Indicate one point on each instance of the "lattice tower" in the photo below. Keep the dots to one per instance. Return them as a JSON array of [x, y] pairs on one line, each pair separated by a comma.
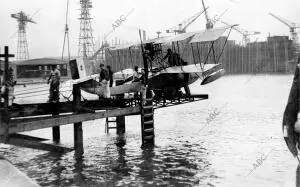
[[22, 47], [86, 40]]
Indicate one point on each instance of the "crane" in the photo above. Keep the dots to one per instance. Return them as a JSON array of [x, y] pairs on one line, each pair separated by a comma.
[[22, 19], [292, 26], [181, 28], [246, 34], [66, 37], [217, 18], [209, 23]]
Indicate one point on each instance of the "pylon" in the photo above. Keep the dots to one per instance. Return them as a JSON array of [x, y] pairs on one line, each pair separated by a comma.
[[86, 41], [22, 50]]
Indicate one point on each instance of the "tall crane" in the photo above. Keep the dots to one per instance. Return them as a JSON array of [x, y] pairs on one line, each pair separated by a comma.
[[22, 19], [217, 18], [293, 27], [246, 34], [181, 28], [66, 37], [209, 23]]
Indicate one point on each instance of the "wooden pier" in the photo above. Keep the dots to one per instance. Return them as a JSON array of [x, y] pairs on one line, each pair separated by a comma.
[[18, 118]]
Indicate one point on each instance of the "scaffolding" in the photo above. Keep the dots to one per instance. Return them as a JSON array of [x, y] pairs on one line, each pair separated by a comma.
[[22, 49], [86, 40]]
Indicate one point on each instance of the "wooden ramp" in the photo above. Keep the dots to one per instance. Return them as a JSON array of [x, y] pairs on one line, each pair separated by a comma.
[[10, 176]]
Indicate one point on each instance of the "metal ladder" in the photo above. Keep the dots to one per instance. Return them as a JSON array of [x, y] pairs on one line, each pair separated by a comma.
[[147, 119], [110, 121]]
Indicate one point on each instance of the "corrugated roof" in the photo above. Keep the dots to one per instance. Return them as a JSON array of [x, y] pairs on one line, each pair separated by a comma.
[[40, 61]]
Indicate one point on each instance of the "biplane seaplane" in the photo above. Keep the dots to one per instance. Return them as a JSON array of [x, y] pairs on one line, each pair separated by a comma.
[[173, 63]]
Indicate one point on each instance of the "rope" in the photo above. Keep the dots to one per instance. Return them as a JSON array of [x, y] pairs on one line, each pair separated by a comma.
[[67, 98]]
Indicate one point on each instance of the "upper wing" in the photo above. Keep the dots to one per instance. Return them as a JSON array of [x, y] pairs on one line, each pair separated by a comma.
[[192, 68]]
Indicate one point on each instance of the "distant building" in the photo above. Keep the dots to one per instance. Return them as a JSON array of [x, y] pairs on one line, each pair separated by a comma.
[[38, 68], [273, 55]]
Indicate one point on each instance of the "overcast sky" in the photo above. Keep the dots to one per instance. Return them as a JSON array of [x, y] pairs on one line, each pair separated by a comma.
[[46, 37]]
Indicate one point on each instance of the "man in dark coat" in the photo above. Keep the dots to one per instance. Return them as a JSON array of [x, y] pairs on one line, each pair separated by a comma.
[[291, 137], [54, 80], [104, 75], [104, 81], [110, 75]]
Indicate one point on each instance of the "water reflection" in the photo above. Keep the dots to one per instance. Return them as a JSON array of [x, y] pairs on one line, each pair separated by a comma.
[[46, 169], [220, 155], [146, 167], [79, 177]]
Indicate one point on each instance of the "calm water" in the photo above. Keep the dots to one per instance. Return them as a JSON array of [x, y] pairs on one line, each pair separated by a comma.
[[217, 142]]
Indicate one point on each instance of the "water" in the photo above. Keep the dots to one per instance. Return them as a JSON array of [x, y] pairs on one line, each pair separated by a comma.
[[232, 139]]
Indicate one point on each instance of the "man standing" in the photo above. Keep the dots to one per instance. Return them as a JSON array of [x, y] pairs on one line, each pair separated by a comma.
[[169, 56], [54, 81], [104, 81], [136, 74], [110, 75]]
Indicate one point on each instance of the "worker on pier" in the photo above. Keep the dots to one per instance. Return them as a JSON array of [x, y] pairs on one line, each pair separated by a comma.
[[174, 58], [169, 55], [54, 80], [136, 74], [104, 81], [110, 75], [9, 86]]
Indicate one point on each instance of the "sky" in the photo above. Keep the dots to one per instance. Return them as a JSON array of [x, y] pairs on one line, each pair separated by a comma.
[[45, 39]]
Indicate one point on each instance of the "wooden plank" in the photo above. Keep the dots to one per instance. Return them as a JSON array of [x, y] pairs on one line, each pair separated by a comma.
[[11, 176], [64, 107], [37, 145], [69, 119], [27, 137]]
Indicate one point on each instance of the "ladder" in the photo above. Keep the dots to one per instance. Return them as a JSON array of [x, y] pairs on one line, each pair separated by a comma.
[[111, 123], [147, 119]]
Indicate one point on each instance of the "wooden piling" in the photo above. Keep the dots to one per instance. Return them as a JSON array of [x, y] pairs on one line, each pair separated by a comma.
[[56, 129], [120, 125], [56, 134], [78, 133], [4, 120]]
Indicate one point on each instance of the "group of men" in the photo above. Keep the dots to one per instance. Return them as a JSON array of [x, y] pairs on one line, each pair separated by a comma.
[[106, 81], [106, 78]]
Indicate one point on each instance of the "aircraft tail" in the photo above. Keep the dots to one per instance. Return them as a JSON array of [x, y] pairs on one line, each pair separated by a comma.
[[82, 68]]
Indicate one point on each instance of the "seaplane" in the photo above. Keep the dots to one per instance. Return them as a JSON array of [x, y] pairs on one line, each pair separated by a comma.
[[173, 63]]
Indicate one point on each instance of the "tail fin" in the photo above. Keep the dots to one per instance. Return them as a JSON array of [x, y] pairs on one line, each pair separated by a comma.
[[81, 68]]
